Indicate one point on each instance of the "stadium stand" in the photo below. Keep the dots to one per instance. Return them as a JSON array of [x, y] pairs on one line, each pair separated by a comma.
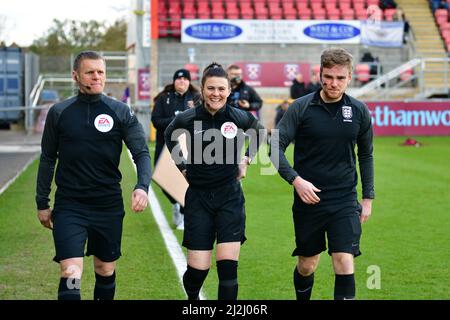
[[171, 12]]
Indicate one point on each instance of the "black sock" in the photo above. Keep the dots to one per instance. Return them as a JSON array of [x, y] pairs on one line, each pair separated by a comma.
[[344, 287], [105, 287], [69, 289], [228, 282], [193, 281], [303, 285]]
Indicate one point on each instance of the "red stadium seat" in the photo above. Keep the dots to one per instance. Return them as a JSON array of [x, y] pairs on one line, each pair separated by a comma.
[[163, 28], [319, 14], [262, 14], [361, 14], [302, 6], [205, 14], [441, 15], [334, 14], [373, 2], [305, 14], [407, 74], [218, 15], [233, 16], [290, 15], [317, 6], [362, 72], [347, 14], [247, 13], [389, 14]]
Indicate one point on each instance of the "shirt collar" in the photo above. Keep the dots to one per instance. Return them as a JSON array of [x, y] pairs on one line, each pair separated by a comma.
[[90, 98]]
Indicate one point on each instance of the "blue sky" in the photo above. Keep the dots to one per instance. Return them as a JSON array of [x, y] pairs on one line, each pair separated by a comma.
[[26, 20]]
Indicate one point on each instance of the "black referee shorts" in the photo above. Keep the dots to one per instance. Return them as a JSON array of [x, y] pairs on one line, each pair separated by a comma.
[[339, 223], [216, 214], [102, 230]]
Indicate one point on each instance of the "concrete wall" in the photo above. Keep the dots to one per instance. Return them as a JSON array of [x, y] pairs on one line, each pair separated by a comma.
[[173, 55]]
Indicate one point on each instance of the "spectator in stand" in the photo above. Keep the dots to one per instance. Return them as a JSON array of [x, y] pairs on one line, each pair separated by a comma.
[[298, 88], [399, 15]]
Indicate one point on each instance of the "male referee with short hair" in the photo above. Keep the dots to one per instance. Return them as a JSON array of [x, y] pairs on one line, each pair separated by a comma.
[[326, 125], [84, 134]]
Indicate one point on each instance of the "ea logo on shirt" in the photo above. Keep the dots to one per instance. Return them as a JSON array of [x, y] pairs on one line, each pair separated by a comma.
[[103, 123], [229, 130], [347, 113]]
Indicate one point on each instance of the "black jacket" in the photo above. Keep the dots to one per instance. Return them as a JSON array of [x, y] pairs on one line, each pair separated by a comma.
[[324, 151], [245, 92], [297, 89], [167, 106], [202, 129], [84, 134]]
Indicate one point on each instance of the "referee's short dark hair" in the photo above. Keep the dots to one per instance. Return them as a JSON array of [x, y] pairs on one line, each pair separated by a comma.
[[91, 55], [333, 56], [214, 70]]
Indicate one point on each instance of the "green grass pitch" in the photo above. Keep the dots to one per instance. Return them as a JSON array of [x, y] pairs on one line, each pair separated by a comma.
[[407, 237]]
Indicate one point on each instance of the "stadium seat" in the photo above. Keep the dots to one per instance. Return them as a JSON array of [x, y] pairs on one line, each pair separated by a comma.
[[317, 6], [305, 14], [319, 14], [373, 3], [290, 15], [193, 69], [345, 4], [361, 14], [217, 7], [261, 14], [288, 6], [202, 6], [389, 14], [333, 14], [204, 13], [359, 2], [441, 16], [406, 75], [301, 6], [347, 14], [247, 13], [314, 2], [163, 28], [362, 72]]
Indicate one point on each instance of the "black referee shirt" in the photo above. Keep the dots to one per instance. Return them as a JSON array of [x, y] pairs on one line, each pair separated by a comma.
[[220, 135], [324, 151]]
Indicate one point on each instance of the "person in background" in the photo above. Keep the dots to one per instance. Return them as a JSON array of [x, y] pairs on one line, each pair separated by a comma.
[[242, 95], [314, 84], [298, 88], [176, 97]]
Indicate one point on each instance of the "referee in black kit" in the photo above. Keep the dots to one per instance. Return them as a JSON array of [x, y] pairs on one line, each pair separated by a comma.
[[326, 125], [214, 201], [84, 135]]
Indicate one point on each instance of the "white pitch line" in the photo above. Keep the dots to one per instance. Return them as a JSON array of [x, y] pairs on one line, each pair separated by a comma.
[[19, 149], [11, 181], [172, 245]]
